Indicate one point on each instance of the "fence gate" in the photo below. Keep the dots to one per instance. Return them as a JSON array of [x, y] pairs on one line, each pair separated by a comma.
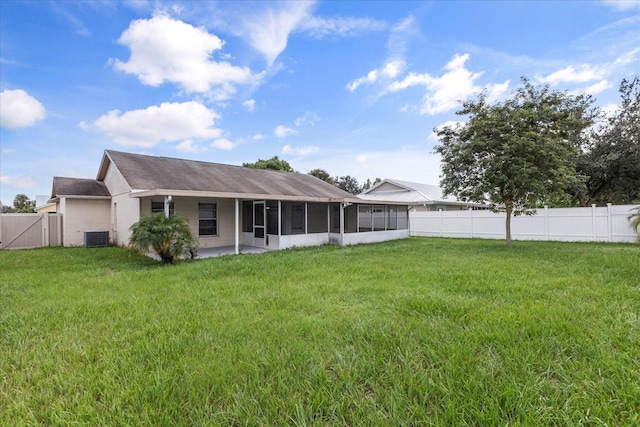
[[20, 231]]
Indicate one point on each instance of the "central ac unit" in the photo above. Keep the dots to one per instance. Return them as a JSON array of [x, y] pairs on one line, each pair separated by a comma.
[[96, 239]]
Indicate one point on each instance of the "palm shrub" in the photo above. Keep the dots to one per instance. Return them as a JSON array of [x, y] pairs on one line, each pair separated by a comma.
[[634, 219], [168, 237]]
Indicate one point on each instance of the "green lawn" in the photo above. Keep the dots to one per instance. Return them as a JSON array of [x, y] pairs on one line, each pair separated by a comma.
[[421, 331]]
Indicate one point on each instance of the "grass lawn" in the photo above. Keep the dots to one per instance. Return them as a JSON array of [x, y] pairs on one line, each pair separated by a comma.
[[421, 331]]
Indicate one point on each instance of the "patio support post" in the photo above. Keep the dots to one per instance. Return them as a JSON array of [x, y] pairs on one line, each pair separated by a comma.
[[342, 206], [237, 234], [167, 202], [279, 218]]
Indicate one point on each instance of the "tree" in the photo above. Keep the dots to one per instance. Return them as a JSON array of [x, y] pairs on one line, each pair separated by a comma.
[[634, 220], [168, 237], [368, 184], [514, 153], [22, 204], [348, 184], [273, 163], [610, 163], [323, 175]]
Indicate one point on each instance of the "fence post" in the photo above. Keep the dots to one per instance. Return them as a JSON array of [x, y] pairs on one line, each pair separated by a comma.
[[440, 213], [609, 222], [45, 229], [546, 222], [471, 217], [594, 230]]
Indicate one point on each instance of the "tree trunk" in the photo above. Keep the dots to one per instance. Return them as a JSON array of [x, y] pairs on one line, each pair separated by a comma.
[[508, 226]]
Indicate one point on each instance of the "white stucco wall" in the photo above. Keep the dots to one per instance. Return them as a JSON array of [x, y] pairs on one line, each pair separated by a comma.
[[124, 210], [80, 215]]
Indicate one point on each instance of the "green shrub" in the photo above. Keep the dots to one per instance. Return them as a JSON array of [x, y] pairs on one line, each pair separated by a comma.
[[168, 237]]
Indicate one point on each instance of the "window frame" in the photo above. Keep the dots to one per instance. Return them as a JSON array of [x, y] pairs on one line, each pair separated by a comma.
[[213, 219]]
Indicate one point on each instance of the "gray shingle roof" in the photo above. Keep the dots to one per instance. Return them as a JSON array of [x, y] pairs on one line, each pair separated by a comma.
[[78, 187], [143, 172]]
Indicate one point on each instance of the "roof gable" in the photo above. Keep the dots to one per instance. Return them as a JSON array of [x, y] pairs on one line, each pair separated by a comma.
[[146, 173], [81, 187]]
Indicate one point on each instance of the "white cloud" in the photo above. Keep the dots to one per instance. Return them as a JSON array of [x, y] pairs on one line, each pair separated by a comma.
[[167, 50], [187, 146], [584, 73], [282, 131], [622, 5], [444, 93], [389, 70], [18, 181], [223, 144], [341, 26], [300, 151], [249, 104], [308, 119], [258, 137], [167, 122], [595, 89], [18, 109], [268, 30]]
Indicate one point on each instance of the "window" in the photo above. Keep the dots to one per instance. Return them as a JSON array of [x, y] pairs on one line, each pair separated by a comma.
[[207, 219], [158, 207]]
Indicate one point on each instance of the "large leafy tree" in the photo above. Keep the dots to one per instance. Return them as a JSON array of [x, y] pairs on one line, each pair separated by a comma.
[[348, 184], [273, 163], [22, 204], [610, 162], [168, 237], [323, 175], [514, 153]]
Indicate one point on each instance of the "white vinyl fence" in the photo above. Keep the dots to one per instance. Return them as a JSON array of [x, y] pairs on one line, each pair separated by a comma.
[[591, 224]]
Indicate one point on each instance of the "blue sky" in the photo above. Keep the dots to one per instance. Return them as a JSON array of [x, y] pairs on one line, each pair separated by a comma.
[[352, 87]]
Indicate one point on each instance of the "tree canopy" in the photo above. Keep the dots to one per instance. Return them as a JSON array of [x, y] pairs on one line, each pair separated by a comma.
[[273, 163], [515, 153], [348, 184], [22, 204], [610, 163], [323, 175]]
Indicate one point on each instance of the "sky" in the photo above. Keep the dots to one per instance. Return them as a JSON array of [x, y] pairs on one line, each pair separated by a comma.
[[352, 87]]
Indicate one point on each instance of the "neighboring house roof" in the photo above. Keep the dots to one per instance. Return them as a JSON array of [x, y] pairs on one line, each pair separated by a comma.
[[151, 175], [78, 187], [408, 192]]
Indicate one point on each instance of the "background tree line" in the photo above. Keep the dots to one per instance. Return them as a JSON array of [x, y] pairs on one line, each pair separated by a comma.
[[346, 183], [21, 204]]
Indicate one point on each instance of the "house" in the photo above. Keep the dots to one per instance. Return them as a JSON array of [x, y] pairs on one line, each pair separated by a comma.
[[226, 206], [422, 197]]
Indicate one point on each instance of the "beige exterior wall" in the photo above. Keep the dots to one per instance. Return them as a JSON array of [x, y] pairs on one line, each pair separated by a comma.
[[47, 208], [124, 210], [80, 215], [188, 207]]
